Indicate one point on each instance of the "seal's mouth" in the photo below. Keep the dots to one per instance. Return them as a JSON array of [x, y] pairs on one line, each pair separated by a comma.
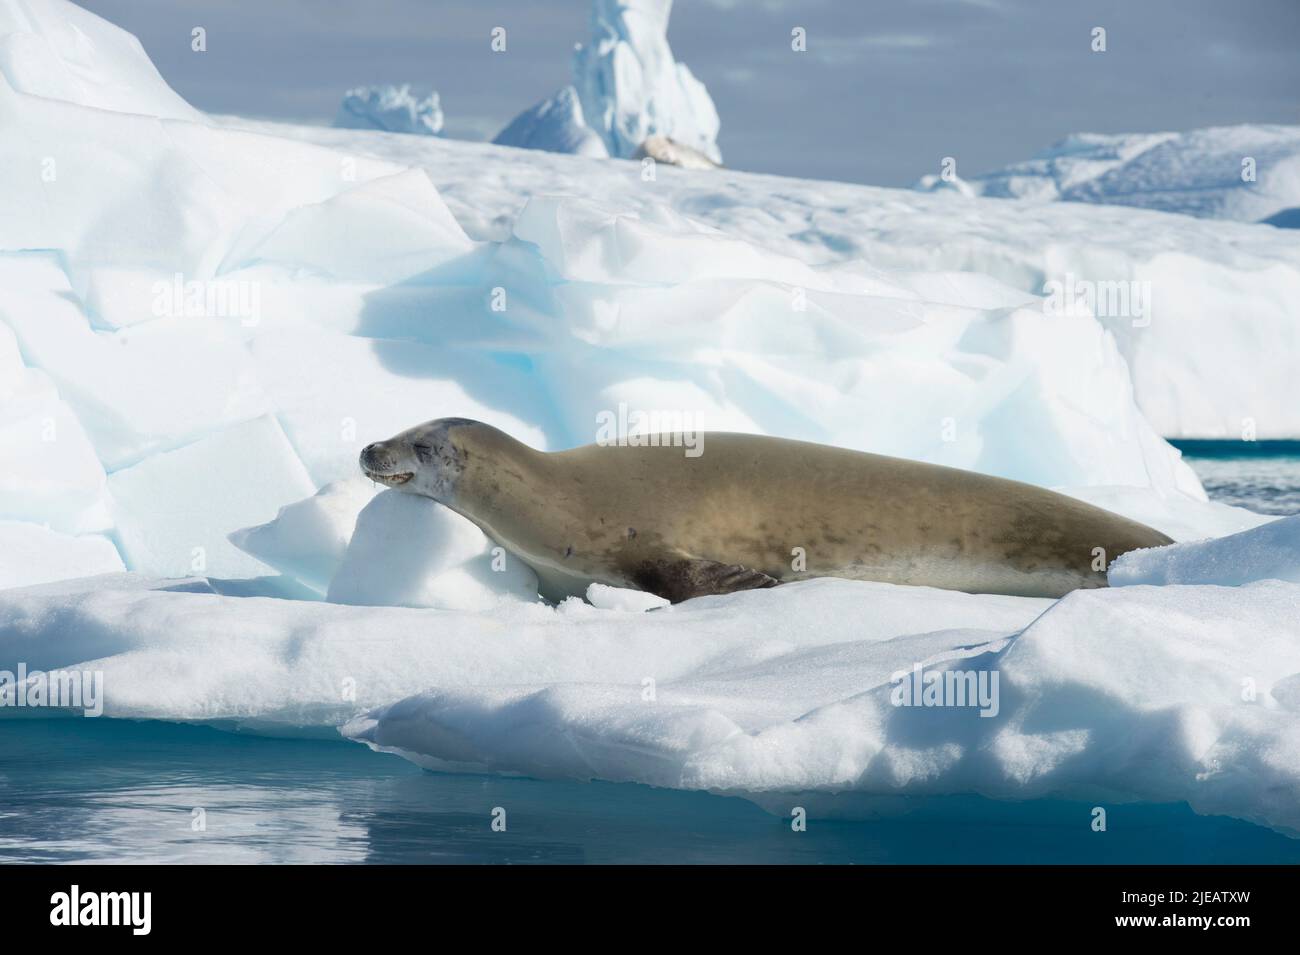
[[392, 480]]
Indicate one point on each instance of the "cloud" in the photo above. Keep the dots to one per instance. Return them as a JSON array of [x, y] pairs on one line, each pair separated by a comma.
[[833, 50], [771, 6]]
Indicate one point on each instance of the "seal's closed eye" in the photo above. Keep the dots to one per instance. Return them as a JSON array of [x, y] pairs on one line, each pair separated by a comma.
[[423, 452]]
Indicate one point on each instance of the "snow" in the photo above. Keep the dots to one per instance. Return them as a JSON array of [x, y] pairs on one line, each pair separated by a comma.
[[393, 109], [59, 51], [626, 89], [954, 184], [409, 551], [307, 539], [1248, 173], [35, 554], [1268, 552], [606, 597], [203, 321], [295, 653]]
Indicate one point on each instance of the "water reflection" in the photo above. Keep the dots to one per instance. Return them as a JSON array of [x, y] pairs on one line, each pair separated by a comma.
[[77, 790]]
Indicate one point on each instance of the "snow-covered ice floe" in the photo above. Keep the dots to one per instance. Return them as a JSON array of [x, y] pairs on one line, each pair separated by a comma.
[[202, 323], [1146, 693]]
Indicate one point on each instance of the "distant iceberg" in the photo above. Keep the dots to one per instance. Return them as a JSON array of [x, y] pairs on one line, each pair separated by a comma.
[[1249, 173], [392, 109], [632, 88], [555, 125], [1067, 165], [627, 89], [1286, 219]]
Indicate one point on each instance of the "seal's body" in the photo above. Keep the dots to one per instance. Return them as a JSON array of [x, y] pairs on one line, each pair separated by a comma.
[[753, 511]]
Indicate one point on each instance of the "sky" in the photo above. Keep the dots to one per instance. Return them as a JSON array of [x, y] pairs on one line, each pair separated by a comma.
[[884, 91]]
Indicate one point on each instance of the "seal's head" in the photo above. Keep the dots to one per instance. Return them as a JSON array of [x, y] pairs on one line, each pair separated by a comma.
[[424, 460]]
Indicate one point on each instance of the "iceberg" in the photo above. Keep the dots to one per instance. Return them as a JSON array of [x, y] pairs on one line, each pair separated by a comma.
[[631, 87], [1073, 161], [1249, 173], [556, 124], [390, 109], [1286, 219], [627, 91]]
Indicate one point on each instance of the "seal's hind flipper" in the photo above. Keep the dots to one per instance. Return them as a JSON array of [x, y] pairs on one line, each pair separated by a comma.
[[682, 578]]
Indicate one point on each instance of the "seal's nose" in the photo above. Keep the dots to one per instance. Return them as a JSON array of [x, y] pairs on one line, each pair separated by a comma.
[[367, 454]]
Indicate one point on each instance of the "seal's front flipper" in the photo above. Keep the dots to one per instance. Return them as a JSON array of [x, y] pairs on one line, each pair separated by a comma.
[[682, 578]]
